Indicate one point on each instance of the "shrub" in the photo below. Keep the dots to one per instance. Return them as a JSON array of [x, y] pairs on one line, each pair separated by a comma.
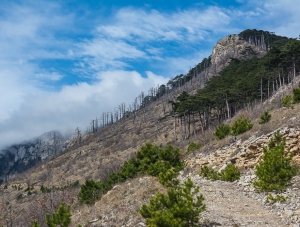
[[150, 159], [45, 189], [222, 131], [209, 173], [171, 155], [35, 224], [230, 173], [168, 179], [20, 196], [158, 167], [241, 125], [90, 192], [192, 147], [265, 117], [287, 101], [296, 92], [60, 218], [275, 170], [177, 208], [277, 198]]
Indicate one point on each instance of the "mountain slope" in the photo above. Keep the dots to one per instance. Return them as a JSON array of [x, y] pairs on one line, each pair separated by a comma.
[[98, 154]]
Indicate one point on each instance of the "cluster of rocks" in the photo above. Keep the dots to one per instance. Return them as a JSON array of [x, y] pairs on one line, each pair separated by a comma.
[[247, 154]]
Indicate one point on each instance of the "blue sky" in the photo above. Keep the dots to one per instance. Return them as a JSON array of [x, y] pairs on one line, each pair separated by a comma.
[[63, 63]]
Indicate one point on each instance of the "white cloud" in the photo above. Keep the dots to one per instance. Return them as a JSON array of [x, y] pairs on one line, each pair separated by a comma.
[[101, 54], [53, 76], [28, 36], [283, 16], [74, 105], [13, 87], [153, 25], [134, 34], [28, 31], [280, 16]]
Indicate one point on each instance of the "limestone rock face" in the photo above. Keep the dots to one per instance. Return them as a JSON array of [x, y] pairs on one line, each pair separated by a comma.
[[232, 46], [247, 154], [20, 157]]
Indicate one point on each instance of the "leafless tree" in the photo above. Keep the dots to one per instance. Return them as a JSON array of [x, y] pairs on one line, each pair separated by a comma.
[[78, 135]]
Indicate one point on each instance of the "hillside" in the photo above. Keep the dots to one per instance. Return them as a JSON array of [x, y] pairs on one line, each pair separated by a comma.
[[183, 114]]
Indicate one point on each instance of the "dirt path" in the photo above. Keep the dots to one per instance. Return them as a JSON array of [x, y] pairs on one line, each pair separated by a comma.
[[226, 205]]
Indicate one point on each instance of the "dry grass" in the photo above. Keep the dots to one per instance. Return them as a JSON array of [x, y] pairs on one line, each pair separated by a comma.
[[119, 206]]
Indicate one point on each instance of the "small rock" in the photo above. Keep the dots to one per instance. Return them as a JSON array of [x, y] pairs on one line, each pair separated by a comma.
[[294, 149], [289, 213], [232, 139], [92, 221], [252, 146], [223, 167]]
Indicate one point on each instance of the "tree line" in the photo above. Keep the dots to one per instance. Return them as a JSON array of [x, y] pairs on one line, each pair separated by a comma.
[[240, 84]]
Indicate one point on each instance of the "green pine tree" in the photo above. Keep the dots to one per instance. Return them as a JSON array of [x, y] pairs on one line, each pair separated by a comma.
[[265, 117], [241, 125], [90, 192], [222, 131], [35, 224], [62, 217], [175, 209], [296, 92], [275, 170]]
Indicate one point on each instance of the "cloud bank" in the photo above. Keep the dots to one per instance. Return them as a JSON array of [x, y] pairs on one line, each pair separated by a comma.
[[74, 106]]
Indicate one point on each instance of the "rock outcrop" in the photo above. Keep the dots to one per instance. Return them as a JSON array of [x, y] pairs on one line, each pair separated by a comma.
[[247, 154], [20, 157], [232, 46]]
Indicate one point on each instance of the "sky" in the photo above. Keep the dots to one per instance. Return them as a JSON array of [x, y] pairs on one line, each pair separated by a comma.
[[64, 63]]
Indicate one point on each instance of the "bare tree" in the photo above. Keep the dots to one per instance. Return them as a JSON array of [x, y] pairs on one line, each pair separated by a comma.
[[78, 135]]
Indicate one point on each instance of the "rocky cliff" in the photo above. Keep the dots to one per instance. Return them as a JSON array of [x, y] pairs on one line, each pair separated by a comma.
[[20, 157], [232, 46]]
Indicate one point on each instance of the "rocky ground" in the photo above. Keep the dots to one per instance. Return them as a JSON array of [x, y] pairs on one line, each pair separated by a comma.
[[228, 204], [238, 204]]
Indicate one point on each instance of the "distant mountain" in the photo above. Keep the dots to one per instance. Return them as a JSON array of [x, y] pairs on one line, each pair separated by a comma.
[[20, 157]]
